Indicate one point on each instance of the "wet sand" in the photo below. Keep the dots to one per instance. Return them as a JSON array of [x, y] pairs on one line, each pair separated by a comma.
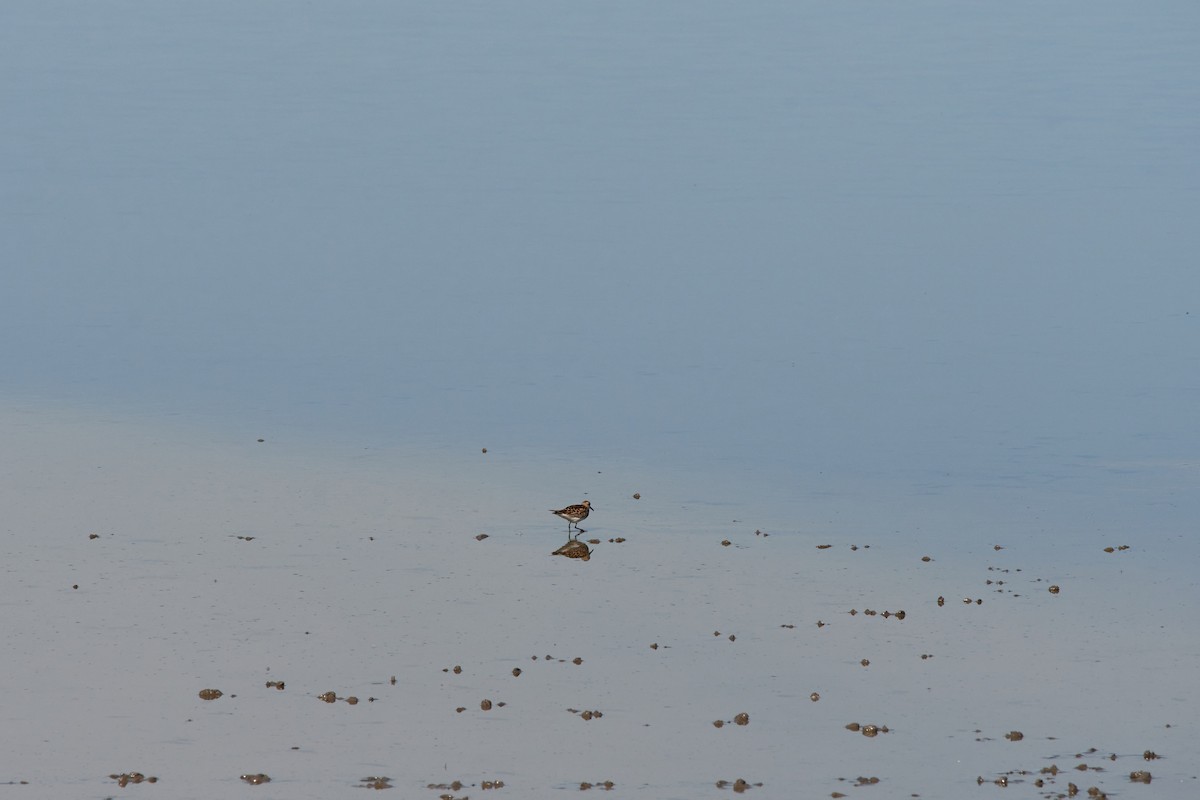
[[145, 563]]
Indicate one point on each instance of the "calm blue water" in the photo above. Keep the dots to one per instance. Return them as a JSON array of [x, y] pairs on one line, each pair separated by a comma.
[[914, 277], [919, 245]]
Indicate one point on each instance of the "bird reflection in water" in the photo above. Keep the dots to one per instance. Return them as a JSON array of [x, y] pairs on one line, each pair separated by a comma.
[[574, 549]]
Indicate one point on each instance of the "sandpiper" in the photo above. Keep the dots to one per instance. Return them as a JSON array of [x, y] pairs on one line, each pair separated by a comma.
[[574, 514]]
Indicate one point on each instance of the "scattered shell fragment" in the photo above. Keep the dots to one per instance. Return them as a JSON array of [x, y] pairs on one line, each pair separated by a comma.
[[126, 778], [453, 785], [256, 779], [738, 786], [210, 694]]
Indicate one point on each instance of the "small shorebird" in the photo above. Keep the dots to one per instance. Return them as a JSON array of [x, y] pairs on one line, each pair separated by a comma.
[[574, 514]]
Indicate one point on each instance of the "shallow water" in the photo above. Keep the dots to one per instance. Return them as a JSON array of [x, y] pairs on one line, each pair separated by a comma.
[[913, 280], [357, 569]]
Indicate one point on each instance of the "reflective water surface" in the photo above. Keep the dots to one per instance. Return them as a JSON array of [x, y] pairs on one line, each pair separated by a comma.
[[905, 281]]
